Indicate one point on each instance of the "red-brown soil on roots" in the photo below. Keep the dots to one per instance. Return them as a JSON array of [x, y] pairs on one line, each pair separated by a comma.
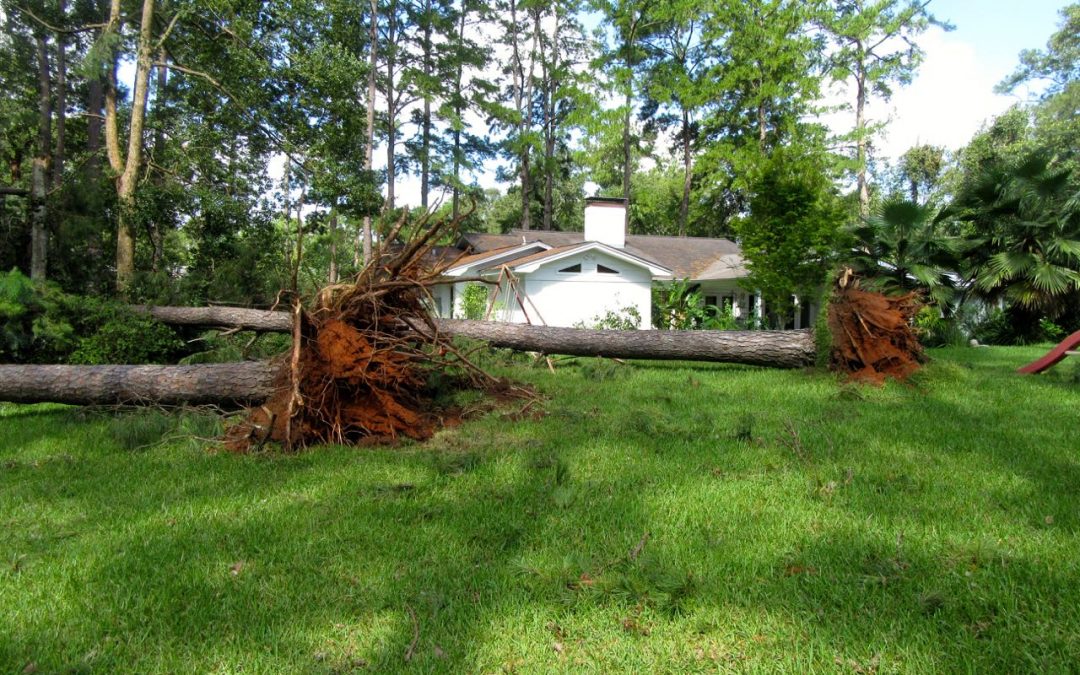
[[362, 358], [872, 335]]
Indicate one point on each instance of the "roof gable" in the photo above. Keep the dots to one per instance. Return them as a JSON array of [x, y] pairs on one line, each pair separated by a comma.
[[686, 257], [534, 262]]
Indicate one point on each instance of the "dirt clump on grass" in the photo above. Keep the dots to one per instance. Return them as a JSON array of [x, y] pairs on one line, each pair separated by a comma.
[[872, 334], [367, 362]]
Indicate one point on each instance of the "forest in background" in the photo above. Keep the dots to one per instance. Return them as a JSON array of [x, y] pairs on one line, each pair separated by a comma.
[[161, 187]]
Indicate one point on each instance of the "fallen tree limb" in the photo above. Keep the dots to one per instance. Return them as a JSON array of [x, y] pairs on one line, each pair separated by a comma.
[[260, 320], [778, 349], [164, 385]]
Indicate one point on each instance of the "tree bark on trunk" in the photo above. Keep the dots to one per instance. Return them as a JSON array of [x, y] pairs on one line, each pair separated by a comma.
[[783, 349], [370, 144], [333, 274], [39, 237], [425, 124], [455, 198], [860, 133], [521, 102], [163, 385], [39, 177], [61, 102], [127, 182], [391, 104], [688, 173]]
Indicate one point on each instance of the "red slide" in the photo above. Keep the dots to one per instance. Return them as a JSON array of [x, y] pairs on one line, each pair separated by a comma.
[[1053, 356]]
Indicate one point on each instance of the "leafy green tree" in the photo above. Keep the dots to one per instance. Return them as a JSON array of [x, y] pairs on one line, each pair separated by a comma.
[[921, 167], [790, 239], [874, 48], [765, 74], [1057, 67], [629, 23]]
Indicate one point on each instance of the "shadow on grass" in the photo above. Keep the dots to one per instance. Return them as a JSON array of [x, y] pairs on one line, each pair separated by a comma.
[[845, 529]]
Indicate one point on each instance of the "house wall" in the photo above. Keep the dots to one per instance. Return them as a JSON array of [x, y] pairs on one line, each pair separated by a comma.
[[566, 299]]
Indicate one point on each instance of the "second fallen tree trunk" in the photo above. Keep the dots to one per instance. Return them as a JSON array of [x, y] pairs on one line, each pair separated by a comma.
[[778, 349]]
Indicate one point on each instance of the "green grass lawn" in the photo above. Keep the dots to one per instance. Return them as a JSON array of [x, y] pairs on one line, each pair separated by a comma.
[[793, 524]]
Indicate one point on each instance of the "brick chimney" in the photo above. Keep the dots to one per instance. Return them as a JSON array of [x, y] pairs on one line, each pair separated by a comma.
[[605, 220]]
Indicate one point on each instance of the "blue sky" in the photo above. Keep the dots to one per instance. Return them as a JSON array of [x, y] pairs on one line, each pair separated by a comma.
[[952, 94]]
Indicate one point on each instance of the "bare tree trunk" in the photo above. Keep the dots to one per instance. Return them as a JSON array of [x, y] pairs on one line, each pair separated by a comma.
[[61, 103], [425, 124], [127, 182], [455, 198], [157, 236], [333, 275], [521, 102], [551, 84], [860, 134], [391, 105], [627, 168], [370, 144], [688, 174], [112, 120], [163, 385], [39, 180], [39, 239]]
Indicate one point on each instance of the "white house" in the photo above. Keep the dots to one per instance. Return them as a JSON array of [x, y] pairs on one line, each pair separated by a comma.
[[569, 278]]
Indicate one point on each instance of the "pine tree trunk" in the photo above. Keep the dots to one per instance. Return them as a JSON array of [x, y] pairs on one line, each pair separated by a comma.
[[860, 134], [61, 104], [391, 105], [425, 123], [783, 349], [521, 102], [684, 203], [332, 277], [127, 182], [369, 146], [39, 177], [164, 385]]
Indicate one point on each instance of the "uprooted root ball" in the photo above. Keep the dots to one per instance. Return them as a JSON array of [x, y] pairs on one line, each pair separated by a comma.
[[362, 357], [872, 335]]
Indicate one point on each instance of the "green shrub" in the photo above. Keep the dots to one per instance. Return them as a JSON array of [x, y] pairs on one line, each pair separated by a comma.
[[626, 318], [16, 298], [1014, 326], [41, 324], [935, 330], [680, 306], [218, 348], [474, 301], [128, 338]]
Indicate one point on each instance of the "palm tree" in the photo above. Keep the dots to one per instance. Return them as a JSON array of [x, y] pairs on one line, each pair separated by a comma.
[[1025, 242], [900, 249]]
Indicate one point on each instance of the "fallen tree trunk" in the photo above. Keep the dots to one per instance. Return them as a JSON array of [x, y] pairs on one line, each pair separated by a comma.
[[220, 317], [219, 383], [778, 349], [773, 348]]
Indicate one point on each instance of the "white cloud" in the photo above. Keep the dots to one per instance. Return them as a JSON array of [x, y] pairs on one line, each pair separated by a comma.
[[951, 97]]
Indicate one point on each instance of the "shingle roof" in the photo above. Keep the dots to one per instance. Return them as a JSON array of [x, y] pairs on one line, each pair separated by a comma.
[[687, 257]]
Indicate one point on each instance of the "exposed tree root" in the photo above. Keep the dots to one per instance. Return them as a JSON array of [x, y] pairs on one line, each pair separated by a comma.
[[872, 334], [362, 359]]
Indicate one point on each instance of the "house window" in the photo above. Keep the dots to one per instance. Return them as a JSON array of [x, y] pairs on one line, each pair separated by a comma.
[[710, 300], [573, 269], [605, 270]]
